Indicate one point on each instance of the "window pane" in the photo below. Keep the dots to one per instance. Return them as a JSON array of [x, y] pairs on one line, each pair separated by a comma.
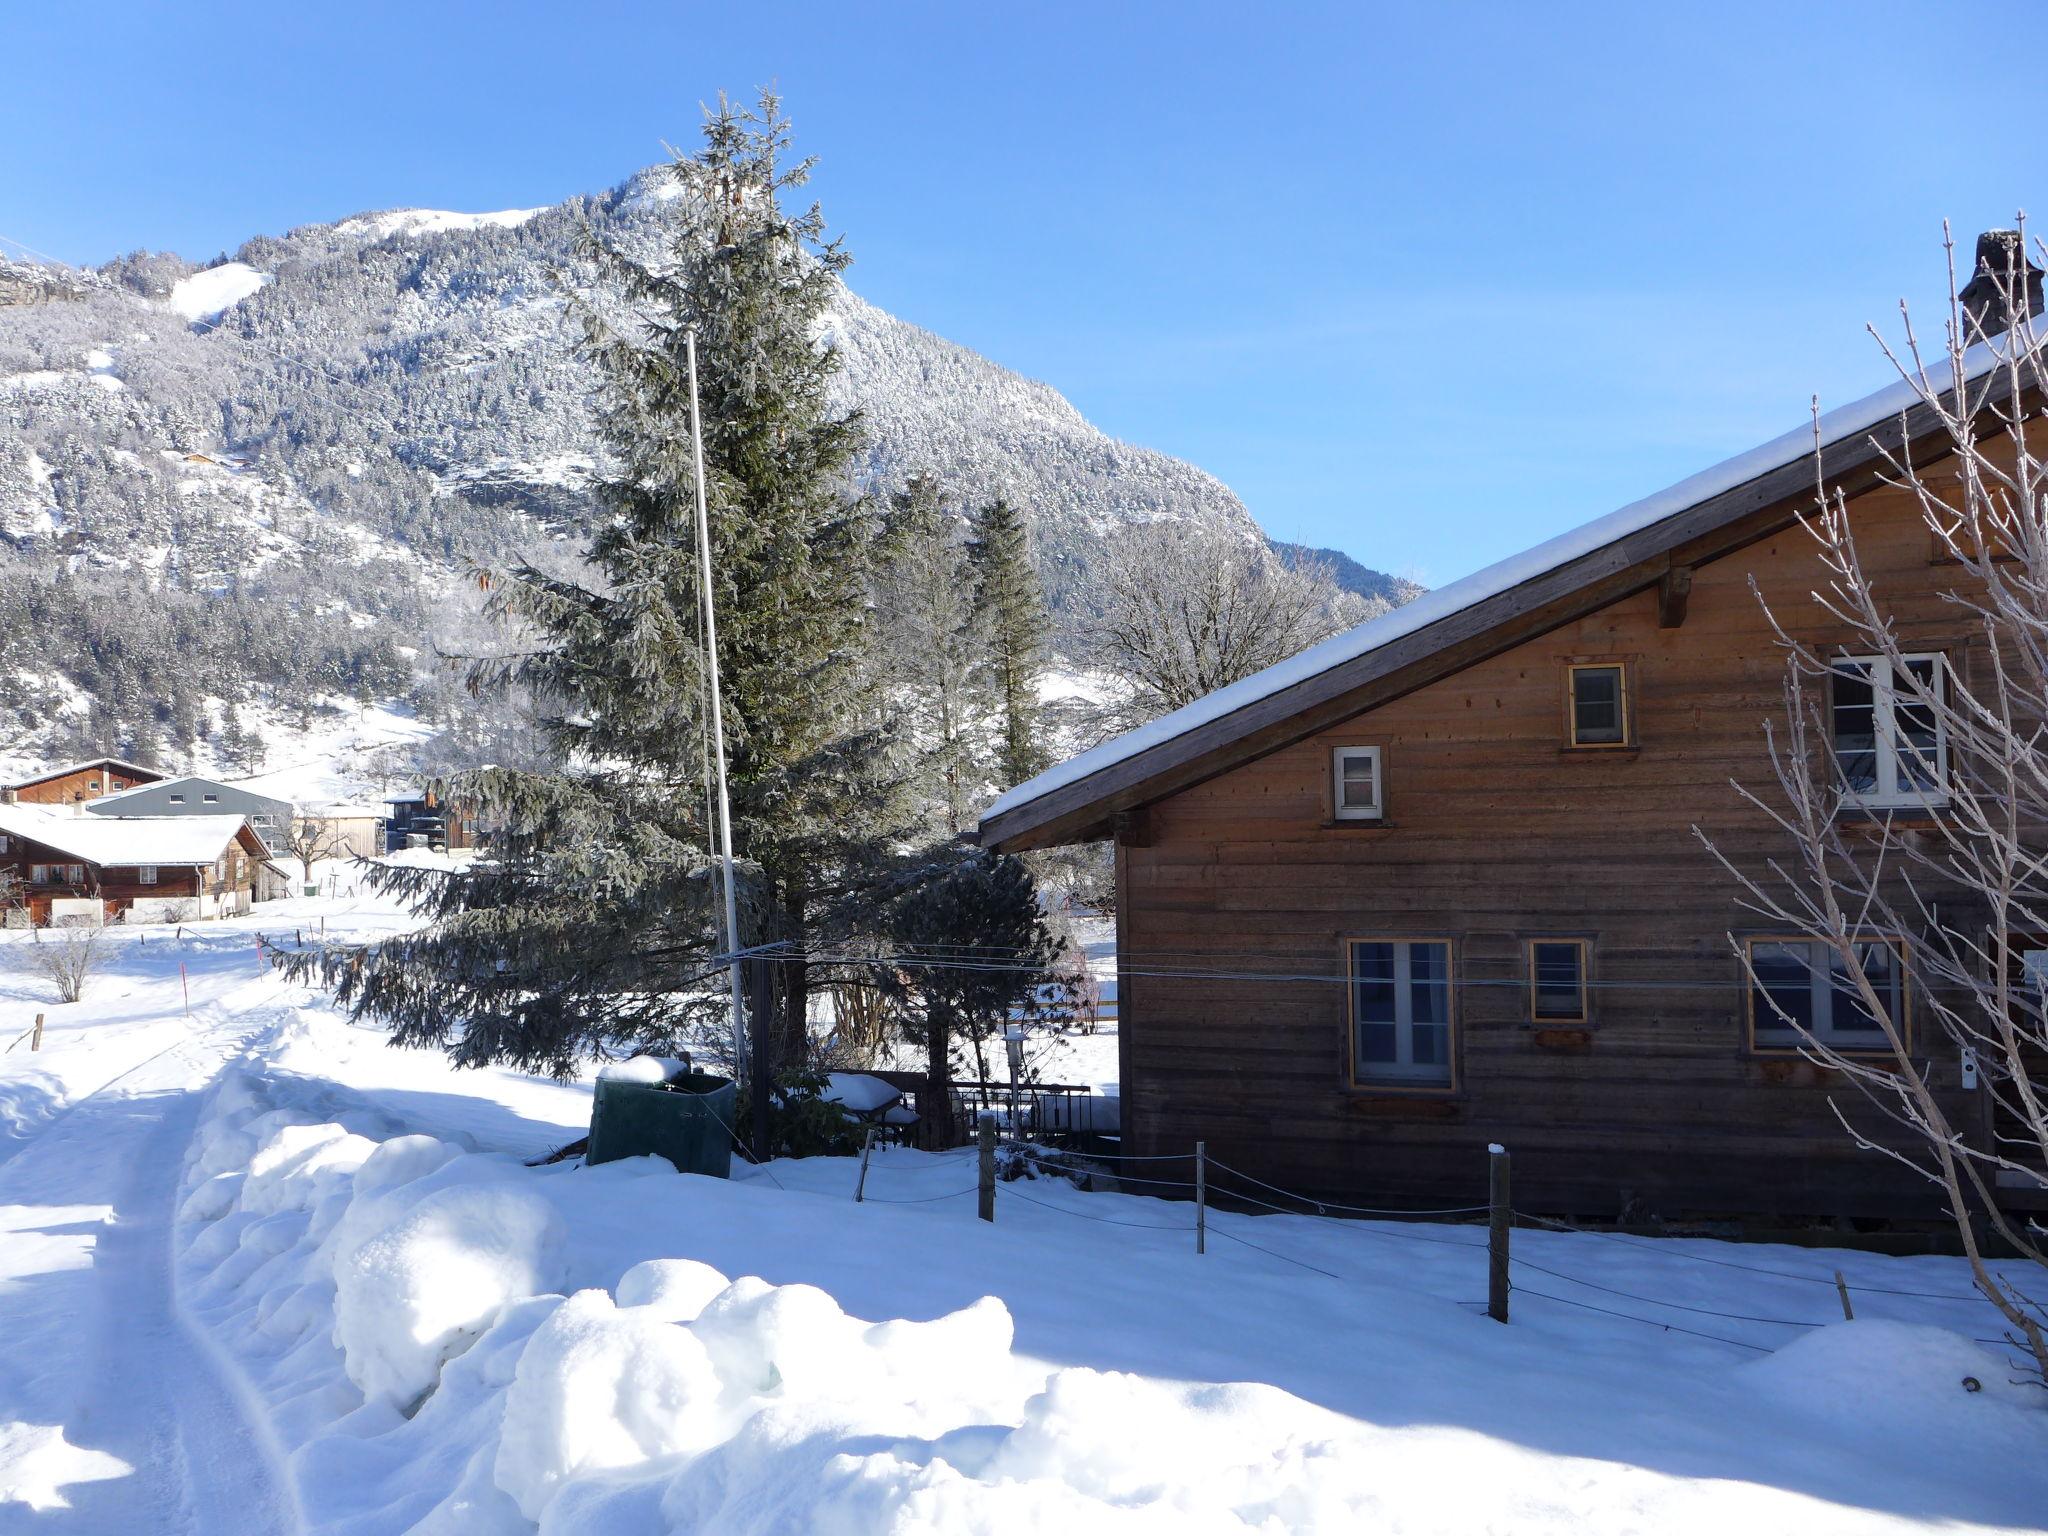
[[1372, 965], [1376, 1045], [1919, 765], [1560, 992], [1784, 977], [1429, 984], [1847, 1013], [1596, 705], [1855, 726], [1433, 1047], [1358, 780]]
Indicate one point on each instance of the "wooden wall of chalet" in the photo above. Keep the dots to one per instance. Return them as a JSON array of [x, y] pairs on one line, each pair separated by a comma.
[[1495, 833], [73, 787]]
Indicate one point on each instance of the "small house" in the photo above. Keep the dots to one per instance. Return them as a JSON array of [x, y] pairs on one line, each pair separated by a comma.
[[64, 868]]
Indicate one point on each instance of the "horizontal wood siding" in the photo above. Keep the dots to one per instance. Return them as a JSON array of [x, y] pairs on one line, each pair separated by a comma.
[[1496, 833]]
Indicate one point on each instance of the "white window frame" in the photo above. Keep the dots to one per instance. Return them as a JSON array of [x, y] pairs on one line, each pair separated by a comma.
[[211, 799], [1339, 809], [1888, 749], [177, 799], [1768, 1032], [1404, 1071], [39, 874], [145, 874]]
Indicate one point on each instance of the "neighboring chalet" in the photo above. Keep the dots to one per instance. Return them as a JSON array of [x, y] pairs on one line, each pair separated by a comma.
[[75, 782], [1433, 883], [271, 817], [93, 869]]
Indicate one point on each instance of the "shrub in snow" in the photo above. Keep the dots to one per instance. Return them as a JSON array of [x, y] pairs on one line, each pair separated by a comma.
[[422, 1290], [674, 1290], [598, 1389]]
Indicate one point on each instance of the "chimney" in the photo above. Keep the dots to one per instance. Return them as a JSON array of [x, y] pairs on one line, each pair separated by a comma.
[[2003, 273]]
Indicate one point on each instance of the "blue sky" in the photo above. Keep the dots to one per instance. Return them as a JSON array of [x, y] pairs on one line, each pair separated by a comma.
[[1426, 283]]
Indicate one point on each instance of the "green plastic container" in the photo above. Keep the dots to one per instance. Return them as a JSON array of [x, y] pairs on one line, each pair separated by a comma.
[[684, 1120]]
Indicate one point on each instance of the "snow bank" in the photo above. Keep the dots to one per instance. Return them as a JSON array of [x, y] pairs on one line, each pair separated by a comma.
[[455, 1343], [204, 295]]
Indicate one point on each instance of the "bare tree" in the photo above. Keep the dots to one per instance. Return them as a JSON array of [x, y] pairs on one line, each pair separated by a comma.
[[1183, 615], [68, 957], [1962, 877], [311, 838]]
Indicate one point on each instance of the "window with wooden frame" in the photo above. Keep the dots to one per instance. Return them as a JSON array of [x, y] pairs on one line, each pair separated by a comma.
[[1888, 737], [1560, 981], [1803, 986], [145, 874], [1596, 704], [1355, 787], [1402, 1018]]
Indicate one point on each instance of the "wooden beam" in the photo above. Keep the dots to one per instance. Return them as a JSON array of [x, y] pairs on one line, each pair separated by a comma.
[[1672, 592]]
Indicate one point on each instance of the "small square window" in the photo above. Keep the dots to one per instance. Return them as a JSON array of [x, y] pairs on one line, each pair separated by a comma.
[[211, 799], [145, 874], [1557, 981], [177, 799], [1355, 779], [1599, 705]]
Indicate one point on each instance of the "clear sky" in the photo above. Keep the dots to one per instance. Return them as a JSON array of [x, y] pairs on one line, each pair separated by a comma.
[[1426, 283]]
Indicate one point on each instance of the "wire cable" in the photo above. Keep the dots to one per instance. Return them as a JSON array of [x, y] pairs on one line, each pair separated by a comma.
[[1649, 1322], [1594, 1285], [1359, 1210], [1285, 1258], [1113, 1221], [868, 1199]]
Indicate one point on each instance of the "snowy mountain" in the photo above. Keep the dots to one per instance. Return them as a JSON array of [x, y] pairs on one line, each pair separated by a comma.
[[260, 481]]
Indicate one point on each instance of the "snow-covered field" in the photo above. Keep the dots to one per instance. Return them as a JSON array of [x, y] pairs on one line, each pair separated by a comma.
[[260, 1272]]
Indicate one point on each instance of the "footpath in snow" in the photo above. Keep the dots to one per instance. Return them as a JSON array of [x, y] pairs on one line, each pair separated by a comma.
[[274, 1275]]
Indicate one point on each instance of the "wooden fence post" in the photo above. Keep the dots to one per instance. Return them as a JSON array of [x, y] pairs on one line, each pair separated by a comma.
[[1201, 1197], [35, 1042], [985, 1132], [867, 1145], [1842, 1289], [1500, 1221]]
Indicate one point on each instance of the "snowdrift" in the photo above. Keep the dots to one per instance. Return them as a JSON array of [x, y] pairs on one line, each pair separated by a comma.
[[401, 1299]]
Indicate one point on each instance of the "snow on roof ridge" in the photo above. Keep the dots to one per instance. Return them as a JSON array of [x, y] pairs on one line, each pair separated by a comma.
[[1842, 422]]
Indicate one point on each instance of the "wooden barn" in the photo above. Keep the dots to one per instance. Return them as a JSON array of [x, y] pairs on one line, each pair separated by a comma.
[[67, 867], [1434, 883]]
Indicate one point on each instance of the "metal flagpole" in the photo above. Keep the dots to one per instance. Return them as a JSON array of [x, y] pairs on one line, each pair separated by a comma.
[[732, 922]]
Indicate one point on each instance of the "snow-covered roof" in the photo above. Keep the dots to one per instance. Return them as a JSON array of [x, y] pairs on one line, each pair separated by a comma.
[[81, 766], [123, 839], [1432, 607]]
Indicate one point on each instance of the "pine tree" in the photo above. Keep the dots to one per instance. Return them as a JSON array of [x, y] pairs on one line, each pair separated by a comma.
[[593, 923], [932, 646], [1011, 603]]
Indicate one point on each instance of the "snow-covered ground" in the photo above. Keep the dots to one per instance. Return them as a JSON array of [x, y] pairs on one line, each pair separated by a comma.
[[260, 1272]]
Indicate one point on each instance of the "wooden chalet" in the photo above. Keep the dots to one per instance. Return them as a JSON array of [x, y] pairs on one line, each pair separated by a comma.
[[71, 868], [1434, 883], [71, 783]]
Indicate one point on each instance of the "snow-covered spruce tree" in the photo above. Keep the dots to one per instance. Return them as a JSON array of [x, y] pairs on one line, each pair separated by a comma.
[[1964, 878], [1010, 600], [591, 925], [931, 645]]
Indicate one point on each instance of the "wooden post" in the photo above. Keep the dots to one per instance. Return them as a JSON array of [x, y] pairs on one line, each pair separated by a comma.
[[185, 982], [1842, 1290], [985, 1132], [1500, 1221], [1201, 1197], [860, 1189], [35, 1042]]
